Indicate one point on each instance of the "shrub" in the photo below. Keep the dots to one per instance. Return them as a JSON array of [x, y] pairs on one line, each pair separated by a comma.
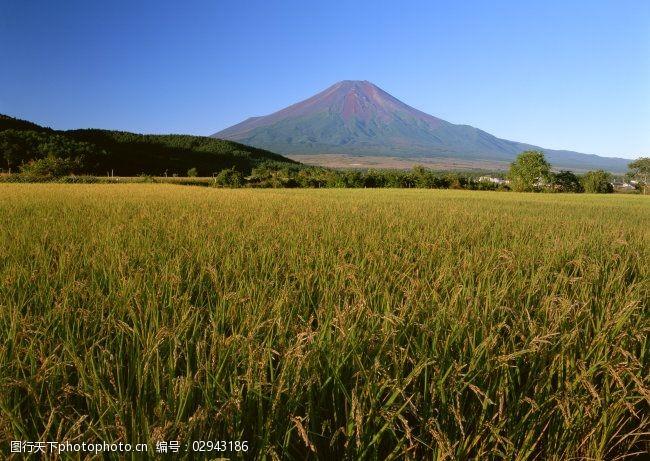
[[229, 177], [455, 181], [597, 182], [49, 167], [566, 181]]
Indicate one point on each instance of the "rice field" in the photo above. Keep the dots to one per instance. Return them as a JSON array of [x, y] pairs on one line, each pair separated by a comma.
[[326, 324]]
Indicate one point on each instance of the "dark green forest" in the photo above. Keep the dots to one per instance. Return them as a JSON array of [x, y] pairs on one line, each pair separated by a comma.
[[30, 147]]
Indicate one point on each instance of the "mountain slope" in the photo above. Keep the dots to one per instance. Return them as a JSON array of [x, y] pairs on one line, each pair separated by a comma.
[[11, 123], [126, 154], [359, 118]]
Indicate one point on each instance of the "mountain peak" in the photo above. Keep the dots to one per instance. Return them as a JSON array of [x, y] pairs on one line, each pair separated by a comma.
[[355, 84], [356, 108], [359, 87], [349, 102], [357, 117]]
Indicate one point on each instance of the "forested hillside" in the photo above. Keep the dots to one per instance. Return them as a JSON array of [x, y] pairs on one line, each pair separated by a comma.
[[24, 144], [10, 123]]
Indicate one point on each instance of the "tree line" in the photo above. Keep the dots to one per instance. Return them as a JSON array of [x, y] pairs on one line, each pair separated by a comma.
[[530, 172], [41, 153]]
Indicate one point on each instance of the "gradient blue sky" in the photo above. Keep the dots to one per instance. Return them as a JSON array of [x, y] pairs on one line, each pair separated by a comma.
[[559, 74]]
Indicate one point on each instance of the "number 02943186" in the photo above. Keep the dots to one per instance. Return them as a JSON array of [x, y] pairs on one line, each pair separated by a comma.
[[219, 445]]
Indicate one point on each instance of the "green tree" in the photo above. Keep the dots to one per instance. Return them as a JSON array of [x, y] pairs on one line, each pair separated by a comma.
[[21, 147], [373, 178], [15, 149], [597, 182], [192, 172], [50, 167], [424, 178], [566, 181], [528, 170], [640, 170], [229, 177], [455, 181]]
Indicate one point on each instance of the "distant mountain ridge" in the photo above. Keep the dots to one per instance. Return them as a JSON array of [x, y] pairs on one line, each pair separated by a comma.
[[359, 118]]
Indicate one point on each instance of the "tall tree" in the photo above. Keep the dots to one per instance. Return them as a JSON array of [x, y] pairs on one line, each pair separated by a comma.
[[528, 171], [566, 181], [640, 169], [597, 182]]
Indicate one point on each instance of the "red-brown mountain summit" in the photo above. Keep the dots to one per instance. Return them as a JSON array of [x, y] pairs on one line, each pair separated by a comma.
[[358, 118]]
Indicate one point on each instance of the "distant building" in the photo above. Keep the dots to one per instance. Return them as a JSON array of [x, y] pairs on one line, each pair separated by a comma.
[[493, 180], [623, 186]]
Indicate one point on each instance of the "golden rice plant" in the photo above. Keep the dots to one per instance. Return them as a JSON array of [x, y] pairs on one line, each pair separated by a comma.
[[327, 324]]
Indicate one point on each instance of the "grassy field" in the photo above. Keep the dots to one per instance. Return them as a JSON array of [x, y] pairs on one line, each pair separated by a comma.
[[326, 324], [400, 163]]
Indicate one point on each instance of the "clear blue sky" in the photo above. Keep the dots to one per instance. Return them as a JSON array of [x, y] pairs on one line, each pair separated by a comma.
[[560, 74]]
